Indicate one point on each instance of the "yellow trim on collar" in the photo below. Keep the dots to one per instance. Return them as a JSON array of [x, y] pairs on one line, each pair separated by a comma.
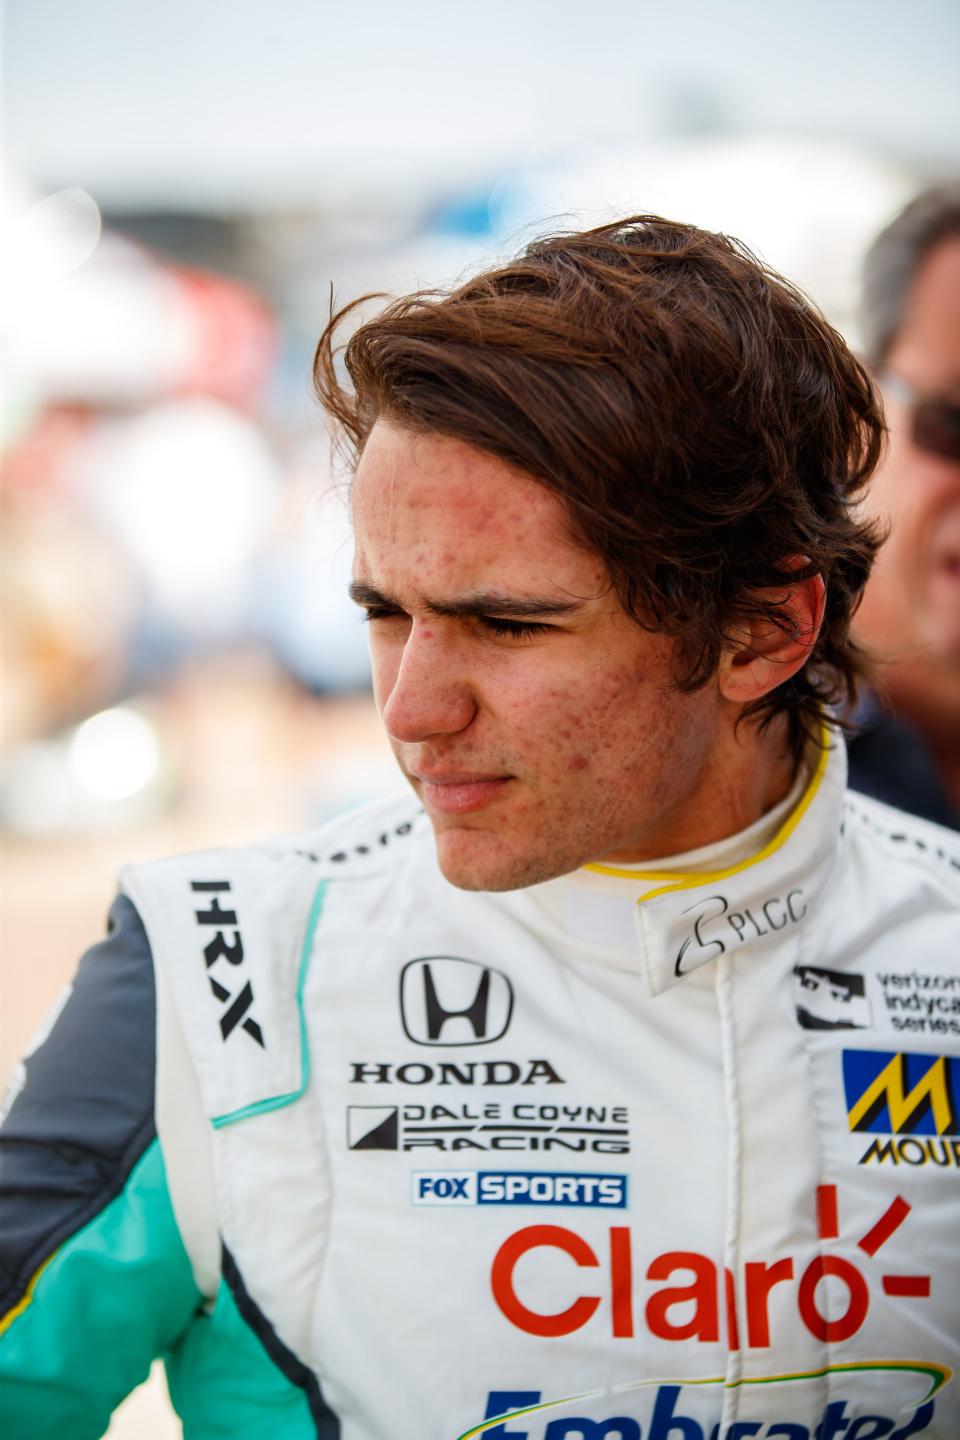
[[7, 1320], [683, 880]]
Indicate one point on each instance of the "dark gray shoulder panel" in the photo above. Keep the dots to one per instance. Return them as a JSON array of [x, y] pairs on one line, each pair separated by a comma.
[[85, 1114]]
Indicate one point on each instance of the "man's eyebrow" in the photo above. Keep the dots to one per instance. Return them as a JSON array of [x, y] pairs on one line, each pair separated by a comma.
[[484, 602]]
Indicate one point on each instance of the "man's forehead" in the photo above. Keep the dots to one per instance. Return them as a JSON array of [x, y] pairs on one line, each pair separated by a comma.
[[423, 471], [438, 517]]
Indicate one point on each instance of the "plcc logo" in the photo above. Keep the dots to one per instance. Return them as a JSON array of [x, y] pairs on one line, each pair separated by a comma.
[[445, 1000]]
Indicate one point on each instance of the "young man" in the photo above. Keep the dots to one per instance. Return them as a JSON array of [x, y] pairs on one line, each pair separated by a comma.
[[909, 750], [607, 1086]]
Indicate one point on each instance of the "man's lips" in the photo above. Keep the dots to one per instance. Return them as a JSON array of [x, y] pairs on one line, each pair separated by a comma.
[[456, 794]]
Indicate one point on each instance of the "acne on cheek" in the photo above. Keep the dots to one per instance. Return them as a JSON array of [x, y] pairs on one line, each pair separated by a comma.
[[578, 762]]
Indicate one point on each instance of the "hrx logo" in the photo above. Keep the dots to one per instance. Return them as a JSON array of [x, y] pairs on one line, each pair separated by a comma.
[[226, 944], [685, 1278]]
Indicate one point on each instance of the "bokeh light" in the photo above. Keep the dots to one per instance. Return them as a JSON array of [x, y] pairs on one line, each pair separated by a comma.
[[114, 754]]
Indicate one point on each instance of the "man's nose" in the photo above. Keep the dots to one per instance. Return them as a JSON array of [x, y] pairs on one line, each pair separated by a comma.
[[431, 693]]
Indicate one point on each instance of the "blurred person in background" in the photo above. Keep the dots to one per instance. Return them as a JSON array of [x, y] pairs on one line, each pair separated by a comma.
[[414, 1125], [909, 750]]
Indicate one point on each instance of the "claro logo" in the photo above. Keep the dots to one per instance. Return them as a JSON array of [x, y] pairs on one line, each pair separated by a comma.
[[703, 1286], [445, 1000]]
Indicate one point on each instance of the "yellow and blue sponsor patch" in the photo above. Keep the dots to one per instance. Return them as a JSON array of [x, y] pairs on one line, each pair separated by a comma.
[[901, 1093]]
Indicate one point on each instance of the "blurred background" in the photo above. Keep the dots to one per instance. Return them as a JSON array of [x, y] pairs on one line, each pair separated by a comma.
[[184, 187]]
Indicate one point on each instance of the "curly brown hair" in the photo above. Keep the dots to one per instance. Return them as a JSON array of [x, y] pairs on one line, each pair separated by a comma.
[[703, 423]]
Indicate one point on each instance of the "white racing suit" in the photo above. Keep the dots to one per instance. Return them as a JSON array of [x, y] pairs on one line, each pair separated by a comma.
[[626, 1156]]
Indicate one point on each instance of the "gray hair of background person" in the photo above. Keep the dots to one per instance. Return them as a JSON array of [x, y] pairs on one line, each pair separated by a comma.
[[894, 259]]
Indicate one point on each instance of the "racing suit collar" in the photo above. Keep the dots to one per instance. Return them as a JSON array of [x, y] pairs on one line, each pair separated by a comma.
[[742, 893]]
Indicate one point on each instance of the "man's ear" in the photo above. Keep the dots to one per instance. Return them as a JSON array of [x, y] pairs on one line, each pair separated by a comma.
[[761, 655]]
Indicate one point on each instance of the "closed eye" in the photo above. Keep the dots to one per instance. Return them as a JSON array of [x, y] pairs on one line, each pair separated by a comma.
[[380, 612], [517, 629], [495, 625]]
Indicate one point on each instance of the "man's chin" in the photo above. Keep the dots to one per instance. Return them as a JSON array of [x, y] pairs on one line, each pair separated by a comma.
[[477, 860]]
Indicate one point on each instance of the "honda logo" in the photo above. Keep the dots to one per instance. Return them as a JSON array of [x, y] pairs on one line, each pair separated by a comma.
[[448, 1001]]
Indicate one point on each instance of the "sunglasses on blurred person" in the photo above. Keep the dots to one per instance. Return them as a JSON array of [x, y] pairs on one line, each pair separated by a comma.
[[934, 421]]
